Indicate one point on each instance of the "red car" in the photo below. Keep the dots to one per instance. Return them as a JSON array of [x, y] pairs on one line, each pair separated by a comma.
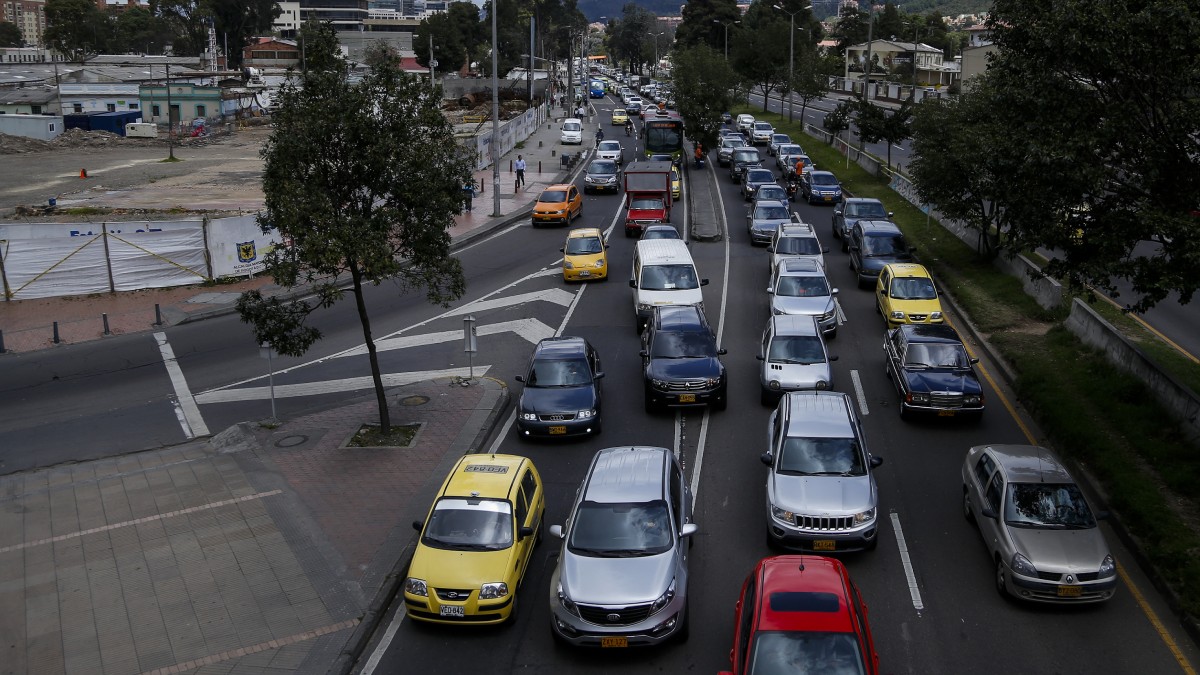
[[801, 614]]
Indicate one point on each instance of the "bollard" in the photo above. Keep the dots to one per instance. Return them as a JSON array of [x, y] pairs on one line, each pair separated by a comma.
[[1, 342], [539, 144], [552, 152], [539, 166], [157, 315], [56, 340], [104, 318], [510, 166]]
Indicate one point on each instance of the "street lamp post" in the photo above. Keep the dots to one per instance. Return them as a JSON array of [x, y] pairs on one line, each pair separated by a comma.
[[654, 68], [726, 25], [495, 119], [791, 51]]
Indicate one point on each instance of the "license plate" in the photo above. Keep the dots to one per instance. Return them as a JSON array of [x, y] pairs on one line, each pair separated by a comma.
[[687, 398], [1070, 591], [824, 545], [585, 274], [451, 610], [558, 430], [619, 641], [945, 413], [828, 198]]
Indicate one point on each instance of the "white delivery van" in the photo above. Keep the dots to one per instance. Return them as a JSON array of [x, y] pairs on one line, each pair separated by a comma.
[[141, 130], [572, 131], [663, 274]]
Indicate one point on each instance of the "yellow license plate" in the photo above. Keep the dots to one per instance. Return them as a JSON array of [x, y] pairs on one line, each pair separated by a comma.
[[945, 413], [1070, 591], [619, 641], [687, 398], [824, 545], [558, 430]]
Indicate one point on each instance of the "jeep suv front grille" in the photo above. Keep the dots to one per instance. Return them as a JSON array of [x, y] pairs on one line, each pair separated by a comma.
[[824, 523]]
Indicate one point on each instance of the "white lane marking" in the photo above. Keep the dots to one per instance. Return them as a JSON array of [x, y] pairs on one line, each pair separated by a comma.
[[487, 239], [530, 329], [678, 432], [512, 417], [556, 295], [334, 386], [193, 425], [858, 391], [911, 576], [841, 315], [384, 642], [703, 438]]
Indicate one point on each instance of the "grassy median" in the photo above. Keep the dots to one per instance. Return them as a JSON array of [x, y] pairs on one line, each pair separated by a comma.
[[1100, 417]]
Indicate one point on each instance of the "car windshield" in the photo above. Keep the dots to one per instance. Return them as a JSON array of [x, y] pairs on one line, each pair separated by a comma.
[[646, 203], [798, 246], [936, 355], [913, 288], [762, 126], [821, 457], [884, 245], [781, 138], [764, 176], [802, 350], [584, 246], [823, 179], [559, 373], [602, 166], [866, 210], [660, 233], [771, 213], [669, 278], [1047, 505], [572, 126], [772, 192], [625, 530], [791, 652], [469, 525], [802, 287], [553, 196], [681, 345], [610, 146], [732, 142], [789, 150], [744, 156]]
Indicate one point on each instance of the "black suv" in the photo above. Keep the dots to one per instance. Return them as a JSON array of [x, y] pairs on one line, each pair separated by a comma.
[[680, 363], [740, 160], [873, 244], [562, 390]]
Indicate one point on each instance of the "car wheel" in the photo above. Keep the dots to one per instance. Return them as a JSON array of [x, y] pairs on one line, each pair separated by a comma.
[[649, 404], [1001, 579], [771, 545], [966, 507], [628, 234], [845, 245]]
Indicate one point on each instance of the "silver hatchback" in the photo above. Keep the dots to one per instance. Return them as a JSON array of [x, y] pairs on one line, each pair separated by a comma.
[[794, 357], [821, 495], [622, 574], [799, 287]]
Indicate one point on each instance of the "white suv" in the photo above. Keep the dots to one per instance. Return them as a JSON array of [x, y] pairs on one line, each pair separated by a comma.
[[745, 123], [795, 239], [761, 133]]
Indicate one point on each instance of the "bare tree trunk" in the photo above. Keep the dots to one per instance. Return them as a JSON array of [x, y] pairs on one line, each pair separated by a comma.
[[385, 421]]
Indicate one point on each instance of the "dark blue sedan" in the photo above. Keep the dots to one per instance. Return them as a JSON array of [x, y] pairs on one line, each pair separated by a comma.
[[933, 372], [562, 390]]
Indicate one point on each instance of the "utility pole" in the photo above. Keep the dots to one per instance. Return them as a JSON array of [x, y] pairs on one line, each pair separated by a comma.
[[726, 25], [170, 122], [867, 70], [432, 61], [791, 53], [531, 64], [495, 118]]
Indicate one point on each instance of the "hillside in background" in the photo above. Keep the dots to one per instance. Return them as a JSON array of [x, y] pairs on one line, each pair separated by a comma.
[[594, 9]]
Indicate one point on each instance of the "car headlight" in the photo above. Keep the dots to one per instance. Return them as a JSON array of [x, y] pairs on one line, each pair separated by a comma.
[[645, 307], [935, 315], [1108, 568], [821, 384], [599, 263], [919, 398], [529, 417], [662, 600], [566, 602], [586, 414], [973, 399], [783, 515], [864, 517], [773, 385], [414, 586], [897, 315], [560, 211], [660, 384], [712, 382], [589, 179], [1021, 565], [777, 311], [493, 590], [568, 265]]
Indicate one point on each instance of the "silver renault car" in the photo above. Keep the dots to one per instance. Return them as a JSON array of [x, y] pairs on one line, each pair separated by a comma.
[[799, 287], [821, 495], [794, 357], [622, 574]]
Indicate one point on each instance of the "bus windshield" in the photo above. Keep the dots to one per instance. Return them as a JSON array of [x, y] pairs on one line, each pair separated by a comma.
[[664, 137]]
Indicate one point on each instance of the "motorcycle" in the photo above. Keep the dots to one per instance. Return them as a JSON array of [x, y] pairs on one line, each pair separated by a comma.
[[793, 186]]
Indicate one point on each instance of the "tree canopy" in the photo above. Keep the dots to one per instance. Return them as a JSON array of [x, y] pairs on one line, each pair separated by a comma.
[[362, 181], [10, 35], [704, 84]]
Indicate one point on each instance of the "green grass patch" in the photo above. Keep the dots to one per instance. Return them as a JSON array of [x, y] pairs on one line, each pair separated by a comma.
[[1094, 413]]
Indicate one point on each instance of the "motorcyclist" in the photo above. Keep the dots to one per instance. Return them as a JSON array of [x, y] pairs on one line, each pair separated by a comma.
[[628, 127], [599, 136]]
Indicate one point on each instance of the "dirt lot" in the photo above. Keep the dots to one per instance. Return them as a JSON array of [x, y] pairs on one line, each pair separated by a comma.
[[220, 174]]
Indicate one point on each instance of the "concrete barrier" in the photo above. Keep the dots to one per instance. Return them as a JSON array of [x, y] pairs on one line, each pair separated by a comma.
[[1177, 398], [1044, 290]]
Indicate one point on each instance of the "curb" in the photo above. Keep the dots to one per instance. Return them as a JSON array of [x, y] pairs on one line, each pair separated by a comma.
[[691, 225], [377, 610]]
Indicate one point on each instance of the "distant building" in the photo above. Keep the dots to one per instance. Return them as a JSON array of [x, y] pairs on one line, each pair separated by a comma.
[[121, 5], [27, 15], [287, 24], [271, 53], [931, 68]]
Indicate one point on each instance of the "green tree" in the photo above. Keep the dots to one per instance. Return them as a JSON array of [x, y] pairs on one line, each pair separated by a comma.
[[761, 54], [850, 28], [629, 34], [138, 30], [891, 23], [75, 28], [184, 21], [446, 32], [703, 23], [812, 77], [363, 180], [10, 35], [838, 120], [704, 84], [236, 21]]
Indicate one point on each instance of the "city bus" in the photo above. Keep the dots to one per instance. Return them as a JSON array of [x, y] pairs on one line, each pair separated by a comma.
[[663, 134], [596, 89]]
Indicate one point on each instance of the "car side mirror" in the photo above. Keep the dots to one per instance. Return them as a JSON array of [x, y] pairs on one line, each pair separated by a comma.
[[417, 525], [556, 531], [562, 250], [833, 291], [632, 283], [525, 532], [643, 353], [704, 282], [876, 461], [833, 357], [974, 360], [987, 512], [770, 249], [721, 351], [825, 250], [853, 247], [688, 529], [890, 214], [519, 378], [598, 376], [770, 291], [837, 212], [766, 458], [758, 357]]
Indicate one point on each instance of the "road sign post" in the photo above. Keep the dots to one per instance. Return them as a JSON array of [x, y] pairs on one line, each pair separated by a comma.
[[470, 346], [266, 351]]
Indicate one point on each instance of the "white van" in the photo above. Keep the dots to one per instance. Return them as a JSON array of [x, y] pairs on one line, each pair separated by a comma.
[[663, 274], [572, 131]]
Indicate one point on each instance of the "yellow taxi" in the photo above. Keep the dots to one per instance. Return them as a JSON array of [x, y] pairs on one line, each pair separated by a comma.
[[619, 117], [476, 542], [557, 204], [676, 185], [905, 293], [584, 255]]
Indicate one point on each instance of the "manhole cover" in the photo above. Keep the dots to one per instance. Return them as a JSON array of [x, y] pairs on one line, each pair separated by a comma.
[[414, 400], [291, 441]]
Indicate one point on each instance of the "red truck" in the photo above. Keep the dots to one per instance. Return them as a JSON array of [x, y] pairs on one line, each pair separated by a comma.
[[647, 195]]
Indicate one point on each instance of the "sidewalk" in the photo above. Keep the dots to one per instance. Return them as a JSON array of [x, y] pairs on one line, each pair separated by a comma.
[[257, 550]]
